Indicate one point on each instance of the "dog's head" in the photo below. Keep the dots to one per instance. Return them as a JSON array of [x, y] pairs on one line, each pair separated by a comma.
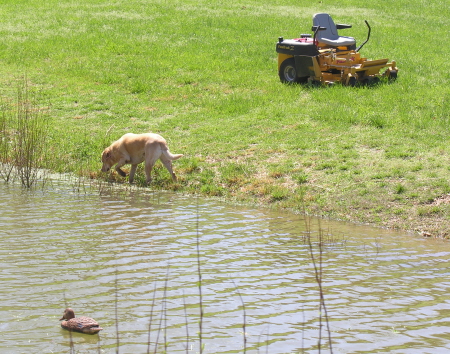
[[107, 160]]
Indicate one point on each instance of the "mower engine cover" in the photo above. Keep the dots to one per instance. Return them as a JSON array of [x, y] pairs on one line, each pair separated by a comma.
[[300, 46]]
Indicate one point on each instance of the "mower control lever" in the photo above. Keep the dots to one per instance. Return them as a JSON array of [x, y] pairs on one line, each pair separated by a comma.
[[368, 36], [317, 29]]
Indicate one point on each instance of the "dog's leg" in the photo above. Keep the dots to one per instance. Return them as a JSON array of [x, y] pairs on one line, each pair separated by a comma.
[[120, 163], [168, 164], [152, 154], [132, 172], [148, 171], [149, 163], [119, 171]]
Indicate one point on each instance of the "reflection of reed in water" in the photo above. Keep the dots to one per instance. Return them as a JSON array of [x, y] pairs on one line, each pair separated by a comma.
[[316, 242]]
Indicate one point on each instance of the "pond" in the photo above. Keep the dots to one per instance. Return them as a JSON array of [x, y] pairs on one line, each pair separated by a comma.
[[132, 258]]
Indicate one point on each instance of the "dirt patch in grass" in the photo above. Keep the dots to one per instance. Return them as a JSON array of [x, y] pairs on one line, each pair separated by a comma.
[[445, 199]]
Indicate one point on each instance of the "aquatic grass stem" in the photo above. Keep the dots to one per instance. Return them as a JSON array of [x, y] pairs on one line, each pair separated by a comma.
[[187, 324], [151, 319], [318, 272], [303, 328], [163, 316], [199, 272], [165, 309], [386, 136], [72, 346], [116, 301], [244, 333], [267, 339], [6, 168], [29, 146]]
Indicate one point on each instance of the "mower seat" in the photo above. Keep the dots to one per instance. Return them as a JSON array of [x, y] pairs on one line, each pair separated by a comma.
[[329, 36]]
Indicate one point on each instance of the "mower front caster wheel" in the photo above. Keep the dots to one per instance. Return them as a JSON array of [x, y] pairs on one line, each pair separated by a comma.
[[352, 81], [392, 75]]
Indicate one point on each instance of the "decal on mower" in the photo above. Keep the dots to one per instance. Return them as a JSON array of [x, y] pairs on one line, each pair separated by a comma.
[[343, 61], [288, 47]]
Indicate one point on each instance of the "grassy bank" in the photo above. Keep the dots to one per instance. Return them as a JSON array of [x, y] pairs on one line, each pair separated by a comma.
[[204, 75]]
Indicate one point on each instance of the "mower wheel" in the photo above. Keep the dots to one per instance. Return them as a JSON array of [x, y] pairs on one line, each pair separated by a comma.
[[392, 75], [352, 81], [288, 72], [366, 81]]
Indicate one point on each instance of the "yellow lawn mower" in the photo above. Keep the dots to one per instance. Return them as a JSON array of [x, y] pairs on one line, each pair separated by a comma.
[[326, 58]]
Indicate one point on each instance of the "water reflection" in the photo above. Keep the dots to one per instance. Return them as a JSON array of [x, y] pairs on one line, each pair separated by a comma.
[[385, 291]]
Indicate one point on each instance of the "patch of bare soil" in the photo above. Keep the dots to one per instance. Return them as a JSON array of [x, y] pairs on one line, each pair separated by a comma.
[[444, 199]]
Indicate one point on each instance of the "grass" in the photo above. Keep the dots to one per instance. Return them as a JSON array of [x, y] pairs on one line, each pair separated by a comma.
[[204, 75]]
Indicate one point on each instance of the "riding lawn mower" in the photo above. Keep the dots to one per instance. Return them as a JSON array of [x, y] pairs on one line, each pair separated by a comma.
[[325, 57]]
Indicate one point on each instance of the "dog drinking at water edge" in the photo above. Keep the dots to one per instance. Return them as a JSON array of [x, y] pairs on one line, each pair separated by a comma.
[[135, 148]]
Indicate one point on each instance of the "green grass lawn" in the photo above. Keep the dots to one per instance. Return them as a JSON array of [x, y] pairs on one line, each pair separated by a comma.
[[204, 75]]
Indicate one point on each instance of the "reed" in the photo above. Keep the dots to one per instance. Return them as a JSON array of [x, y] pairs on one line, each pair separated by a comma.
[[199, 271], [316, 247], [351, 149], [116, 304], [30, 139], [6, 168], [187, 327], [159, 326], [71, 344], [163, 317], [24, 137], [166, 343], [151, 319], [318, 273], [244, 319]]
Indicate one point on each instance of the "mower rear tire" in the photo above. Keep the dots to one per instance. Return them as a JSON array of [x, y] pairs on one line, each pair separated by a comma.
[[288, 72]]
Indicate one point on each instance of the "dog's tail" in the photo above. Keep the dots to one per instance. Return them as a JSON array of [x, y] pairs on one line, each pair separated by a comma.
[[169, 155]]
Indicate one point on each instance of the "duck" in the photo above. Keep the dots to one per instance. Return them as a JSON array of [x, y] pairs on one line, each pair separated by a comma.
[[81, 324]]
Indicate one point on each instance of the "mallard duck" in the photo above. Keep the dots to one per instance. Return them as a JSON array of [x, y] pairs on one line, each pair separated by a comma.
[[79, 324]]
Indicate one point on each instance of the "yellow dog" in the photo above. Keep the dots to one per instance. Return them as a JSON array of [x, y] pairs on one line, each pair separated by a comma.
[[136, 148]]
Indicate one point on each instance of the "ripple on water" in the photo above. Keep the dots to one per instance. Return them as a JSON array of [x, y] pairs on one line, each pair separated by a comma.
[[385, 291]]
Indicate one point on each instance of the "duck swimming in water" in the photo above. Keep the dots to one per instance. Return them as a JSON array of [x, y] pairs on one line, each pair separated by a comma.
[[79, 324]]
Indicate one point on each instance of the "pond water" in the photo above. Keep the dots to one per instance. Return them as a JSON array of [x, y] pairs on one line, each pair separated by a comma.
[[130, 260]]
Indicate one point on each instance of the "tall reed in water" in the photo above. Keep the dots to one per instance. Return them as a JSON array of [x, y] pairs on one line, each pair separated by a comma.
[[315, 246], [23, 145], [187, 324], [116, 301], [151, 319], [72, 346], [6, 168], [318, 272], [30, 143], [244, 330], [200, 322]]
